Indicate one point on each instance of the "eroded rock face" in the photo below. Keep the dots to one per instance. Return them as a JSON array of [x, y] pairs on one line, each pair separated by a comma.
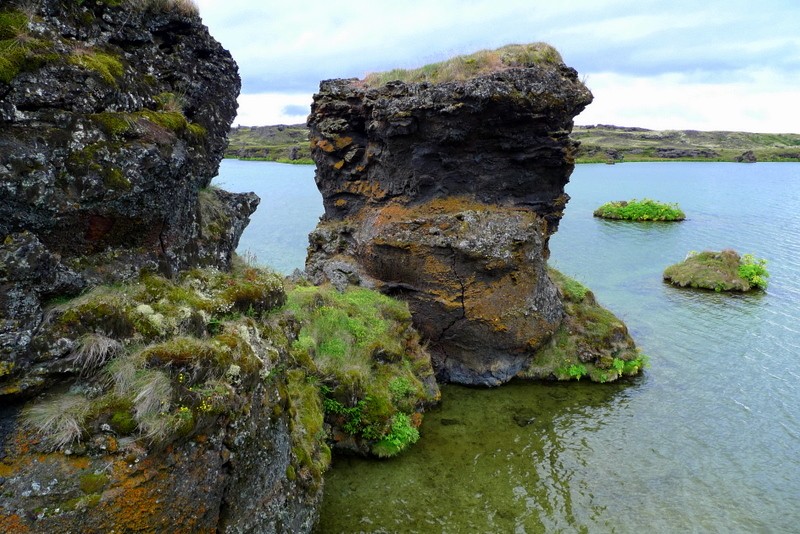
[[446, 195], [113, 121]]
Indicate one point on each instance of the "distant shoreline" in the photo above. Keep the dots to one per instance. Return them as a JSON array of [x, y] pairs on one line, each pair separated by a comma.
[[598, 144]]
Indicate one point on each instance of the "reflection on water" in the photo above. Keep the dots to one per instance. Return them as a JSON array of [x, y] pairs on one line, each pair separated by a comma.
[[708, 440], [491, 460]]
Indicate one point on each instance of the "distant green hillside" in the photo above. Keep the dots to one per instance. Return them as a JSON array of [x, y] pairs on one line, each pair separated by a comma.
[[281, 143], [604, 143], [599, 144]]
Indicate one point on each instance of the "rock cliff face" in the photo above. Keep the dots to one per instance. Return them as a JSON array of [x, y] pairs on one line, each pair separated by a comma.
[[446, 194], [154, 403], [113, 120]]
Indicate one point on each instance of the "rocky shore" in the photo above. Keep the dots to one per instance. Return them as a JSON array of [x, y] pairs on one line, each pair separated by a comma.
[[151, 380]]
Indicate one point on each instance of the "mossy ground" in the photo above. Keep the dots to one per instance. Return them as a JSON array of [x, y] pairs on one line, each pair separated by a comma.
[[161, 360], [640, 210], [718, 271], [591, 341], [158, 359], [370, 367]]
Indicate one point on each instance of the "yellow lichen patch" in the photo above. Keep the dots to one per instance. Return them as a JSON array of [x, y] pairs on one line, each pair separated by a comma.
[[364, 188], [6, 368], [325, 145], [339, 164], [12, 523], [341, 142], [340, 203]]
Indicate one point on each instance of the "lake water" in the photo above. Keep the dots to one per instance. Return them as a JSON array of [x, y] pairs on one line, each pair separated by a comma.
[[707, 440]]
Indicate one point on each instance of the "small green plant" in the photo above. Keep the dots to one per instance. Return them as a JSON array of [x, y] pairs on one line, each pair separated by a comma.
[[640, 210], [576, 371], [402, 435], [754, 270]]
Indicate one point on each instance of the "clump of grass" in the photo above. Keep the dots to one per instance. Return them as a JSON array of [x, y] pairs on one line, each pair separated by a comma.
[[19, 50], [368, 359], [162, 358], [108, 66], [94, 350], [591, 341], [719, 271], [480, 63], [640, 210], [60, 420], [186, 7]]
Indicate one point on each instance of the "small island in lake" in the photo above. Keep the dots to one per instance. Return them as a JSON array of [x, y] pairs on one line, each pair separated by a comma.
[[640, 210], [720, 271]]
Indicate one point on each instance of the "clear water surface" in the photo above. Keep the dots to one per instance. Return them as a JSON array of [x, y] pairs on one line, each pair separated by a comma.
[[708, 440]]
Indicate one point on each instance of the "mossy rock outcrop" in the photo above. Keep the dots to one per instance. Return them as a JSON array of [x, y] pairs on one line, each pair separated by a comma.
[[590, 342], [719, 271], [211, 401], [111, 130], [442, 186], [170, 407]]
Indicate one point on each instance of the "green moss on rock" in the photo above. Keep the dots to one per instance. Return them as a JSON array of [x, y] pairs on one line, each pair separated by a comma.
[[591, 341], [107, 65], [373, 372]]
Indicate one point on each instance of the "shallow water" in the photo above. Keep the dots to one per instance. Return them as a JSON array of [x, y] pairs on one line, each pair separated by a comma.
[[707, 440]]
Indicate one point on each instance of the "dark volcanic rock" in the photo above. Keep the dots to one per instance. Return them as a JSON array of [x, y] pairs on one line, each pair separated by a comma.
[[747, 157], [113, 121], [111, 129], [107, 142], [446, 195]]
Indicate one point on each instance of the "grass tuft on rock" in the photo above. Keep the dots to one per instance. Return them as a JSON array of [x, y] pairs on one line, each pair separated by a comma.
[[719, 271], [156, 357], [640, 210], [480, 63]]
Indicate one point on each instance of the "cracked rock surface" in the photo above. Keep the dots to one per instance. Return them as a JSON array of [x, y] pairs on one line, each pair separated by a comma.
[[446, 195]]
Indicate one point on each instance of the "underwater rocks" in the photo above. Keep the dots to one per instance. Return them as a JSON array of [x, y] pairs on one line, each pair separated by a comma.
[[445, 194]]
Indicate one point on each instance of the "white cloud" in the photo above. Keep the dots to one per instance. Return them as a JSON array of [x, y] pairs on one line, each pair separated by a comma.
[[675, 61], [270, 108], [760, 101]]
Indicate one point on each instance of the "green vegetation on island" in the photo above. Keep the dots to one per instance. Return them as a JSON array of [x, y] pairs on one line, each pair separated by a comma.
[[461, 68], [599, 144], [640, 210], [719, 271]]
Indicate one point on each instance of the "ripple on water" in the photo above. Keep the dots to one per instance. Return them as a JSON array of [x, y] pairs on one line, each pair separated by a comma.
[[707, 440]]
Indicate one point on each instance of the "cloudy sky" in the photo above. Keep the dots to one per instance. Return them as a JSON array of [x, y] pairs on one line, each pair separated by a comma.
[[677, 64]]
